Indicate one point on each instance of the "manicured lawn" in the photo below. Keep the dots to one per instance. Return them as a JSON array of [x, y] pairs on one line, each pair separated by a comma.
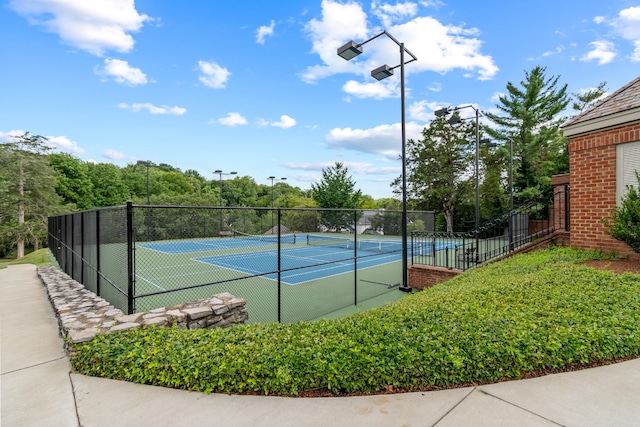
[[527, 315], [39, 257]]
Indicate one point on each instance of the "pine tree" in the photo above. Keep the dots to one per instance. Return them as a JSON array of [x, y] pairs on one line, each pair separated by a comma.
[[530, 115], [336, 190]]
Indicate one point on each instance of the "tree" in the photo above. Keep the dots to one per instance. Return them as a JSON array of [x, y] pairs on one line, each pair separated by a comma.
[[584, 101], [336, 190], [625, 225], [109, 189], [28, 182], [73, 183], [530, 116], [438, 167]]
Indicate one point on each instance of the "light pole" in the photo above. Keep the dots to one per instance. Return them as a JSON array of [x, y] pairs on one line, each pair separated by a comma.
[[220, 173], [349, 51], [273, 178], [457, 119]]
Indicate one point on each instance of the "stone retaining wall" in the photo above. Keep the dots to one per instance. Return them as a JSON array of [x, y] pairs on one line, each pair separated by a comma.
[[83, 315]]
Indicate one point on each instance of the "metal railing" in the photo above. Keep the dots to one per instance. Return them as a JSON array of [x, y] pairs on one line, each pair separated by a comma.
[[496, 238]]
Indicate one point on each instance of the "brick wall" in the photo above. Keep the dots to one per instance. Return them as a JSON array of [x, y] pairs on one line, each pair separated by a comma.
[[425, 276], [592, 162]]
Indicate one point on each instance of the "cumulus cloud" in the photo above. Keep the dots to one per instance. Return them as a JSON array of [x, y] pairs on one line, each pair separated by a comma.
[[113, 154], [391, 13], [212, 75], [93, 26], [62, 143], [264, 31], [603, 52], [422, 110], [377, 90], [121, 72], [439, 47], [233, 119], [59, 143], [285, 122], [627, 25], [381, 139], [152, 109], [599, 19]]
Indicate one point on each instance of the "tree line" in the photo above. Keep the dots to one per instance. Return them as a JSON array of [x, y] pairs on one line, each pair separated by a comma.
[[36, 183]]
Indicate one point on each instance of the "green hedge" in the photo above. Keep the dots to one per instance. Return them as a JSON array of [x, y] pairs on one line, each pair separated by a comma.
[[530, 313]]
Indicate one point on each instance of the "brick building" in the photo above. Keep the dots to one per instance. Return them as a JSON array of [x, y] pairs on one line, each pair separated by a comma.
[[604, 153]]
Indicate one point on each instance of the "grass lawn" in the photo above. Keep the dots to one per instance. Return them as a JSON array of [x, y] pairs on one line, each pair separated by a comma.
[[527, 315], [39, 257]]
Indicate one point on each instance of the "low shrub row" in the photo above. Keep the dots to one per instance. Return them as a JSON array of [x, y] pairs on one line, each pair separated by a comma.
[[528, 314]]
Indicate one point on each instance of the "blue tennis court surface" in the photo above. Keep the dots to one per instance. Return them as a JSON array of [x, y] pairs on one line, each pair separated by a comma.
[[185, 246], [305, 263]]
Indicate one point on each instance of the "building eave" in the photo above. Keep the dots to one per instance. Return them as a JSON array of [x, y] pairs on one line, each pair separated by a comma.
[[600, 123]]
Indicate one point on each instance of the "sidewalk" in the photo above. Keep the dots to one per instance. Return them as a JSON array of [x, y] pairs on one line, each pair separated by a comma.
[[38, 390]]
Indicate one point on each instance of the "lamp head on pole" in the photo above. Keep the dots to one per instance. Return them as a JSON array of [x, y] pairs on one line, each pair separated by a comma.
[[349, 50], [455, 119], [217, 171], [382, 72], [442, 112]]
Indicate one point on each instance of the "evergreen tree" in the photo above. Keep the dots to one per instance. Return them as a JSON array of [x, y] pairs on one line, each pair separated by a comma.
[[28, 183], [586, 100], [336, 190], [530, 115]]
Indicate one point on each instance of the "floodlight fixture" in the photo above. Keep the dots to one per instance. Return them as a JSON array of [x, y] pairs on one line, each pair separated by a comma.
[[382, 72], [442, 112], [349, 50]]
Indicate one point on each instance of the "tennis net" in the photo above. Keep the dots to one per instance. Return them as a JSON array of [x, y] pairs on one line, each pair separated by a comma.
[[345, 243], [267, 238]]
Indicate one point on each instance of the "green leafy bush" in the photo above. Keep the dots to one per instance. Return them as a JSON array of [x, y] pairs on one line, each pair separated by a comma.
[[527, 314], [626, 219]]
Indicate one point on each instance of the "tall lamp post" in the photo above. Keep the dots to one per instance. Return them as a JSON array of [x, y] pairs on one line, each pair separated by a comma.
[[220, 173], [349, 51], [273, 178], [443, 112]]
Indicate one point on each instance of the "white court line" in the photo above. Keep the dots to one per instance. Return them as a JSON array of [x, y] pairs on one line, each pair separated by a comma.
[[149, 282]]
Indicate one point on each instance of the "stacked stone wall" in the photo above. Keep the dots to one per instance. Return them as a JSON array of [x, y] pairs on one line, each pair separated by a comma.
[[82, 314]]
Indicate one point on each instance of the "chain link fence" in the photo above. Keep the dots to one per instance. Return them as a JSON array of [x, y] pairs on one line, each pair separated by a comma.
[[289, 264]]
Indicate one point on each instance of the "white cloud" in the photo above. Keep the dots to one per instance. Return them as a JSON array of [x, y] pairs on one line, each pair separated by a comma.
[[599, 19], [152, 109], [390, 13], [440, 48], [122, 72], [422, 110], [435, 87], [213, 75], [113, 154], [233, 119], [62, 143], [264, 31], [383, 139], [603, 52], [93, 26], [285, 122], [556, 51], [378, 90], [353, 167], [627, 24]]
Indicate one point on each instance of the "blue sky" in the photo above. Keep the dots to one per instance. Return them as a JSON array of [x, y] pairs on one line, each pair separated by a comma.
[[256, 86]]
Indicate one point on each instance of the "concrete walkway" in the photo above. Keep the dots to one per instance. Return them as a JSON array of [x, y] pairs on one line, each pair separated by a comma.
[[39, 390]]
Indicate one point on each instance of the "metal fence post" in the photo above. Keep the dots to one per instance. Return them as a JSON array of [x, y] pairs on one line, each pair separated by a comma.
[[98, 272], [566, 208], [130, 272], [355, 257], [279, 267]]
